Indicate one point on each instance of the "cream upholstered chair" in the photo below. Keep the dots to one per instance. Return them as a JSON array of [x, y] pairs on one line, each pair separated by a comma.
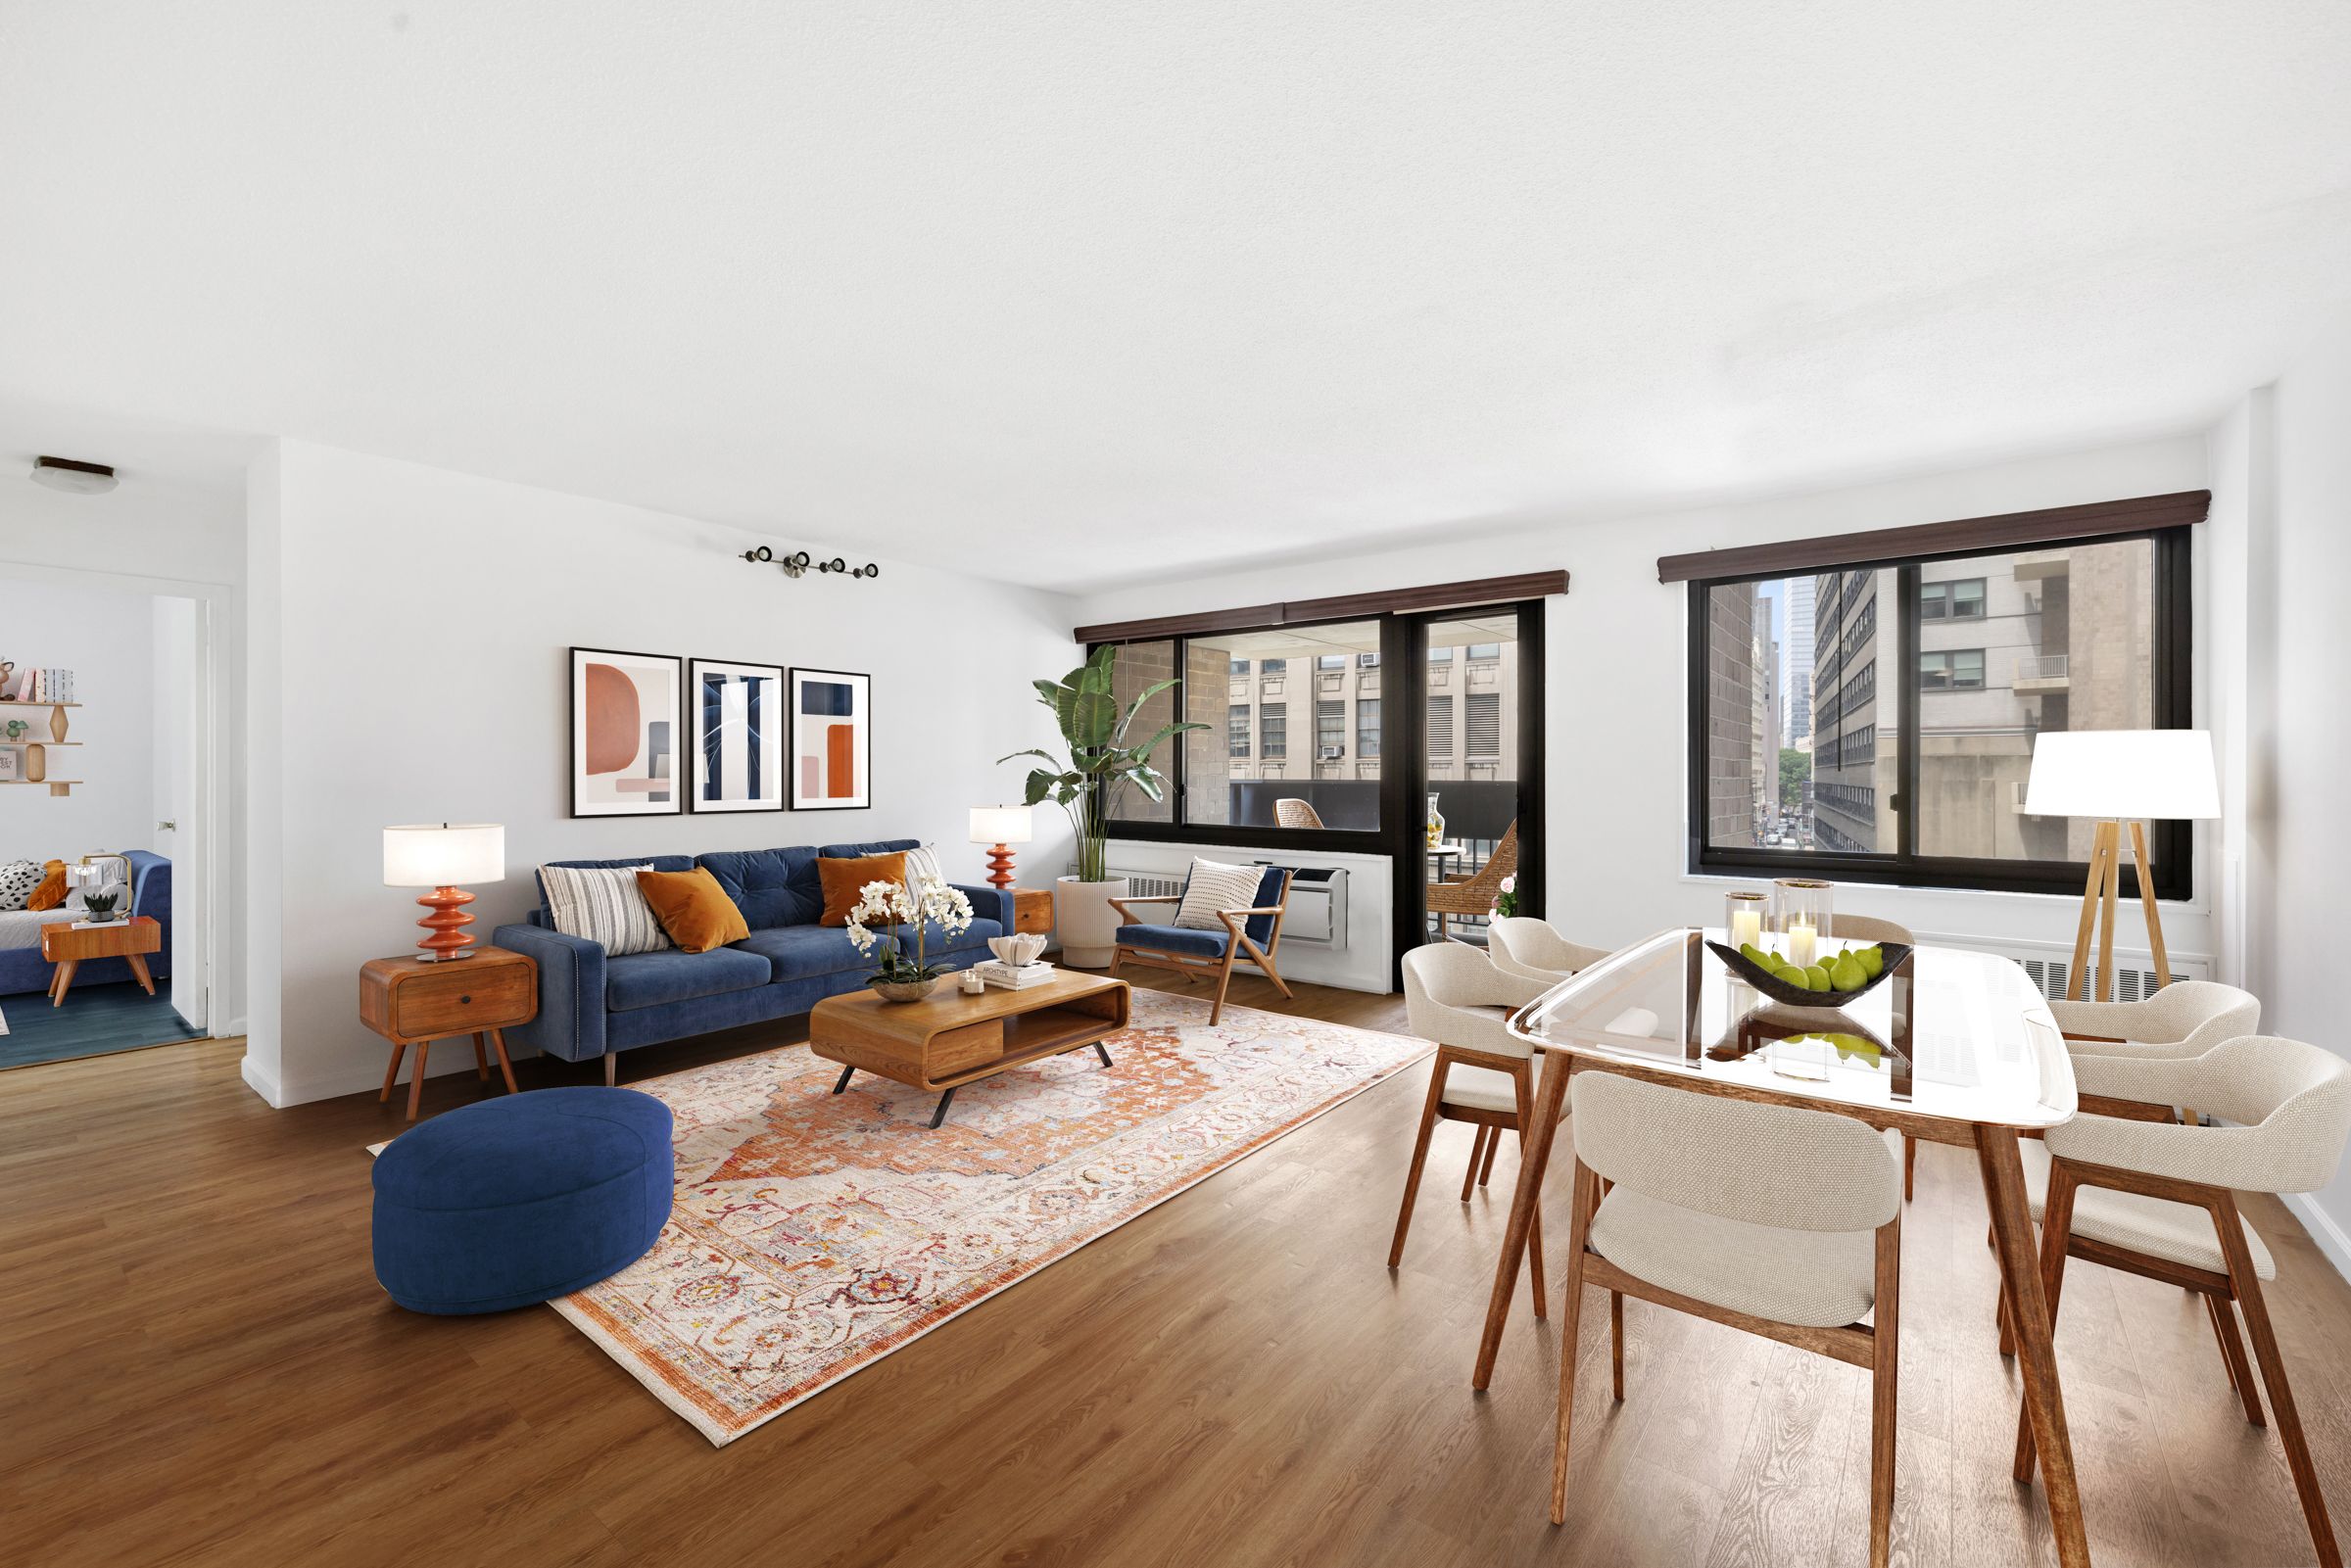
[[1533, 949], [2157, 1198], [1291, 812], [1784, 1223], [1454, 995], [2186, 1019]]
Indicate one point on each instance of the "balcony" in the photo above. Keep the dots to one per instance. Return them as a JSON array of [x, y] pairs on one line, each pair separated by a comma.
[[2042, 673], [2037, 565]]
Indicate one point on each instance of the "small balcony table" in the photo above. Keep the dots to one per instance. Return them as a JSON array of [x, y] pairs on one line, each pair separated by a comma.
[[1954, 1047]]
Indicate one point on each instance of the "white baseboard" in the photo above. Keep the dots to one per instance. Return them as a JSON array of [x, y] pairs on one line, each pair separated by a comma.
[[2322, 1229], [259, 1081]]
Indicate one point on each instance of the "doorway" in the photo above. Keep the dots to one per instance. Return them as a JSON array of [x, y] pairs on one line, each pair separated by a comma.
[[104, 726]]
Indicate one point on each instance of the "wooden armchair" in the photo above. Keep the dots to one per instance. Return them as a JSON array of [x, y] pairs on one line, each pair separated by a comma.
[[1252, 935], [1474, 894]]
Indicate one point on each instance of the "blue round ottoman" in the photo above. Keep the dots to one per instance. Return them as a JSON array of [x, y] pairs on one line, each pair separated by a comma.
[[512, 1201]]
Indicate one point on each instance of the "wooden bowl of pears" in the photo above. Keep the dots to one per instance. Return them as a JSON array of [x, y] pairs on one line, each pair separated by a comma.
[[1833, 979]]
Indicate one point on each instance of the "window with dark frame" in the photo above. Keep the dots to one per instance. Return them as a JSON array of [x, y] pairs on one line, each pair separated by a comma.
[[1237, 729], [1330, 731], [1366, 727], [1273, 733], [1917, 755]]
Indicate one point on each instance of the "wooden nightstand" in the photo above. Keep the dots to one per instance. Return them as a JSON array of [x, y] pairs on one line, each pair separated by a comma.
[[69, 946], [1033, 910], [412, 1001]]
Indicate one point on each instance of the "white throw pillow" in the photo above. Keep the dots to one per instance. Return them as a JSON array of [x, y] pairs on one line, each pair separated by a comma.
[[1214, 886], [922, 861], [605, 905], [18, 880]]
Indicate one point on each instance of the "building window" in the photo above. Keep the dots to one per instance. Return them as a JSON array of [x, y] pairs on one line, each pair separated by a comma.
[[1914, 757], [1237, 729], [1330, 661], [1330, 731], [1273, 665], [1961, 600], [1440, 726], [1484, 714], [1951, 670], [1273, 733], [1240, 666], [1366, 727], [1485, 652]]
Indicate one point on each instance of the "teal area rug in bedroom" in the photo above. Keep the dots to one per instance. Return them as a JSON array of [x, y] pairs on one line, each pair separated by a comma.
[[96, 1020]]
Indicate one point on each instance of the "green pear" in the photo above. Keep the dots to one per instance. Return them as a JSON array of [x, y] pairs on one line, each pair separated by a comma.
[[1818, 977], [1752, 954], [1847, 974], [1872, 960]]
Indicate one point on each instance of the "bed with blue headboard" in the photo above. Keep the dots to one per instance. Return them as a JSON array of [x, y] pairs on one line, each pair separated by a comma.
[[21, 966]]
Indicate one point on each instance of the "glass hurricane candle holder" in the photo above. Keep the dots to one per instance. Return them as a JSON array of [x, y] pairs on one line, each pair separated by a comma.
[[1801, 914], [1743, 916]]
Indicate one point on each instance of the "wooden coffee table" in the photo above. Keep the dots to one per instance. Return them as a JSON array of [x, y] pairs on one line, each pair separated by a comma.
[[130, 940], [949, 1039]]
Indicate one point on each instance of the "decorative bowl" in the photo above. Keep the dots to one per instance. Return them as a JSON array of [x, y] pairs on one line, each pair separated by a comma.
[[904, 991], [1018, 949], [1779, 990]]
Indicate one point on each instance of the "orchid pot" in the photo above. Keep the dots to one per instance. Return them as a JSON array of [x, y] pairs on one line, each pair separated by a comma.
[[891, 918]]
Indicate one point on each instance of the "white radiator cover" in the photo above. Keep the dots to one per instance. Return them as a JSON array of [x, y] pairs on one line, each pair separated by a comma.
[[2049, 963]]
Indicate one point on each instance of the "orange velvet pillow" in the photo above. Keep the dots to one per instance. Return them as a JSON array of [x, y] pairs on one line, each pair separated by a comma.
[[845, 881], [692, 908], [52, 892]]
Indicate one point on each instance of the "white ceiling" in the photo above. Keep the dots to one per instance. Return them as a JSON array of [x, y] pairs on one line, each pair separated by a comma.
[[1074, 291]]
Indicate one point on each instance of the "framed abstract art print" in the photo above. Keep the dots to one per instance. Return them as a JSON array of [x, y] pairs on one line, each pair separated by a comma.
[[831, 740], [737, 715], [625, 733]]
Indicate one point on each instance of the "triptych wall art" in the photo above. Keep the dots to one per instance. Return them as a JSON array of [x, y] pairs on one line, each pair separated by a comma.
[[653, 735]]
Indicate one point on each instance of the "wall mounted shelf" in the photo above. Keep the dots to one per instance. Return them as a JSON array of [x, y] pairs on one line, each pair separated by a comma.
[[36, 749]]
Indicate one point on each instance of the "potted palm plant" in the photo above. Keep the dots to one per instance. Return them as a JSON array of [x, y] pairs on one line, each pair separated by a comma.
[[1102, 760]]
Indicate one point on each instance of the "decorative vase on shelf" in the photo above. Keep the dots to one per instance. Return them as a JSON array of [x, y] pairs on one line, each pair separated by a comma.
[[1436, 822]]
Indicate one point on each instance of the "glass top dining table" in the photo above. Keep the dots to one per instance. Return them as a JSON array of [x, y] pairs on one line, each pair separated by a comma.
[[1951, 1035], [1954, 1046]]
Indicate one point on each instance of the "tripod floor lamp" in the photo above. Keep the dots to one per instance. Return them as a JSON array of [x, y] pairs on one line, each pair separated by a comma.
[[2119, 776]]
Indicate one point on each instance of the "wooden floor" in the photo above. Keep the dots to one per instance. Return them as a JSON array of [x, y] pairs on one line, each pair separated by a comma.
[[94, 1021], [196, 1366]]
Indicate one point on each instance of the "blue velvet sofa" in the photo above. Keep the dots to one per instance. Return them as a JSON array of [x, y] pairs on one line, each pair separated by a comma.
[[23, 968], [593, 1005]]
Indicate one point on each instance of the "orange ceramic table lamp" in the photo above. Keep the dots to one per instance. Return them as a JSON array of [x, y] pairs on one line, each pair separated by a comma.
[[1000, 828], [439, 856]]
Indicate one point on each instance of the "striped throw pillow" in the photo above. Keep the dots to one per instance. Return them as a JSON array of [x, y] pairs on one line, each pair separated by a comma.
[[922, 862], [1212, 886], [605, 905]]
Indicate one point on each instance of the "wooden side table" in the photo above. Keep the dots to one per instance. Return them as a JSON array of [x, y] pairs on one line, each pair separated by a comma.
[[1033, 910], [68, 947], [413, 1001]]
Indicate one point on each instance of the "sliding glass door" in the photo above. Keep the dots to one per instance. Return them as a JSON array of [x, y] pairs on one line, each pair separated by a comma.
[[1480, 713]]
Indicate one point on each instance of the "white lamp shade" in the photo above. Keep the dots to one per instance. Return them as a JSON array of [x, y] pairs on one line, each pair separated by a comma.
[[444, 854], [1000, 825], [2128, 775]]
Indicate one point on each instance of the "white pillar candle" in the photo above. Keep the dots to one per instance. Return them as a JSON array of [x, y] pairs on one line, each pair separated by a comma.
[[1746, 928], [1800, 939]]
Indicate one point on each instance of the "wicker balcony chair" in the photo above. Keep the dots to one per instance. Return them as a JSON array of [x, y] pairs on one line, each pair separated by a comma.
[[1474, 894], [1291, 812]]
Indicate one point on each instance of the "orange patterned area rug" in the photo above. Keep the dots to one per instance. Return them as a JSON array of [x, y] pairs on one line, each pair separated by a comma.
[[814, 1234]]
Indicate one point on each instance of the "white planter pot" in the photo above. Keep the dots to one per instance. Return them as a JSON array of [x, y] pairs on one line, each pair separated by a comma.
[[1085, 920]]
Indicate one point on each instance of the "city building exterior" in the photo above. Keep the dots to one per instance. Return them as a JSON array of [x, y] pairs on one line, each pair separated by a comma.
[[1795, 664]]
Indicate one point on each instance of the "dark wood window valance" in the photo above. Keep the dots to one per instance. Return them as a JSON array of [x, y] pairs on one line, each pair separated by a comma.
[[1968, 536], [1340, 608]]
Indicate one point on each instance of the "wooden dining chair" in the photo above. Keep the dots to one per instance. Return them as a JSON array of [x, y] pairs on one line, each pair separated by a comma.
[[2158, 1198], [1291, 812], [1782, 1222], [1533, 949], [1251, 936], [1483, 1074], [1474, 893]]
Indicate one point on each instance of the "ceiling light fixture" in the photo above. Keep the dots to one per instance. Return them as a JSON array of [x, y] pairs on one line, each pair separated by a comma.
[[73, 478]]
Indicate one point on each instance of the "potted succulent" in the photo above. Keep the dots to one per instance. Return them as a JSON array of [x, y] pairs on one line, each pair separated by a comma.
[[1101, 759], [100, 906], [893, 906]]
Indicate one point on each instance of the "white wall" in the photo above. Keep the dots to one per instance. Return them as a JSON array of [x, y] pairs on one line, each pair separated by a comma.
[[107, 638], [1617, 693], [409, 658], [2300, 803]]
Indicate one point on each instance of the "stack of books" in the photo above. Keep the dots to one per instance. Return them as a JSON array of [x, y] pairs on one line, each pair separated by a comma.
[[39, 685], [995, 971]]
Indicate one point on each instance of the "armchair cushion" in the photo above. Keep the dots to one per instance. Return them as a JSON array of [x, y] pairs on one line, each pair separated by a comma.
[[1480, 1088], [2182, 1233], [1176, 940]]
